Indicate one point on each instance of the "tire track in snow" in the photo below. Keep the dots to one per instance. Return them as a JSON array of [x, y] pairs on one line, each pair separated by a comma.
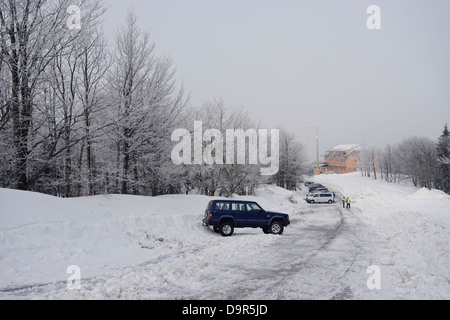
[[324, 280]]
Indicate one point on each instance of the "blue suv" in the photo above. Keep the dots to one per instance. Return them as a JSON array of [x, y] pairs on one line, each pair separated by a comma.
[[225, 215]]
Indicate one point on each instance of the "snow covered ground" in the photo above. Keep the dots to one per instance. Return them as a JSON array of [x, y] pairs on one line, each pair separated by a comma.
[[414, 225], [131, 247], [40, 236]]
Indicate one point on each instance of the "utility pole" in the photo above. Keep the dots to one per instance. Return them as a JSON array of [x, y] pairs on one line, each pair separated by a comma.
[[317, 146]]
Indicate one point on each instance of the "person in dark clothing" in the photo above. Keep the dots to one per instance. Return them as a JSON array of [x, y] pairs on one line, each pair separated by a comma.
[[343, 202]]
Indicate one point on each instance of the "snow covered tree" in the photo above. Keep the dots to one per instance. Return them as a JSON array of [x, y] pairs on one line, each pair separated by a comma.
[[390, 164], [418, 160], [92, 67], [224, 178], [147, 105], [33, 34], [443, 161], [369, 161], [292, 162], [386, 163], [62, 71]]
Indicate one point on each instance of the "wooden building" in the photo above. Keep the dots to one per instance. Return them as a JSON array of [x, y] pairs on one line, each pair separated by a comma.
[[343, 158]]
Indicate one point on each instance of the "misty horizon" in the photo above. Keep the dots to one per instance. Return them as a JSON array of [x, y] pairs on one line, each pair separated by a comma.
[[304, 64]]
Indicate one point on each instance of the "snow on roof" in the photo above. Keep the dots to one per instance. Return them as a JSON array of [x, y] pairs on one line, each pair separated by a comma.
[[345, 147]]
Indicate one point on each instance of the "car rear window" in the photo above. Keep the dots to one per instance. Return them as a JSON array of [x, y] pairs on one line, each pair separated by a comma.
[[222, 206]]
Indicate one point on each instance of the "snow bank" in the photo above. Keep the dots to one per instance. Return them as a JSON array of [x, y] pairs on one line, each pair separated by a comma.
[[40, 235], [414, 224], [426, 194]]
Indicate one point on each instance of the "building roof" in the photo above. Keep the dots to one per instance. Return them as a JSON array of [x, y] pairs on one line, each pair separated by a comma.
[[345, 148]]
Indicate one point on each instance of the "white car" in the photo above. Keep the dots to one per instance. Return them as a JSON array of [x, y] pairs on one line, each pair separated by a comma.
[[320, 198]]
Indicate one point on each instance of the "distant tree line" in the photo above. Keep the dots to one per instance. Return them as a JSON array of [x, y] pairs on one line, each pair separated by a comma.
[[425, 161], [79, 116]]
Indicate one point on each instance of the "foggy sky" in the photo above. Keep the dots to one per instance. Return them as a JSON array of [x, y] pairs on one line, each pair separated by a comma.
[[299, 64]]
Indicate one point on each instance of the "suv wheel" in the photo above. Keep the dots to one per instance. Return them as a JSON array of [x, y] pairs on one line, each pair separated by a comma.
[[276, 228], [265, 230], [216, 229], [226, 229]]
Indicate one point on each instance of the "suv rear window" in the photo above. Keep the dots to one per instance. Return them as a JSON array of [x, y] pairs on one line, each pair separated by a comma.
[[208, 206], [222, 206]]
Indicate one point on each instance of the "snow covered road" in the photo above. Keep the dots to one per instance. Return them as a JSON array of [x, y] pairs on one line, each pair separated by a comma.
[[323, 254]]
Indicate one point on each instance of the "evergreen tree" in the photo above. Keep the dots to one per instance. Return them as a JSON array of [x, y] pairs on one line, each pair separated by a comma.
[[443, 166]]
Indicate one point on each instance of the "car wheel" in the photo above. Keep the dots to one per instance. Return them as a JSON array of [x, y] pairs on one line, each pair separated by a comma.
[[330, 201], [265, 230], [276, 228], [216, 229], [312, 201], [226, 229]]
